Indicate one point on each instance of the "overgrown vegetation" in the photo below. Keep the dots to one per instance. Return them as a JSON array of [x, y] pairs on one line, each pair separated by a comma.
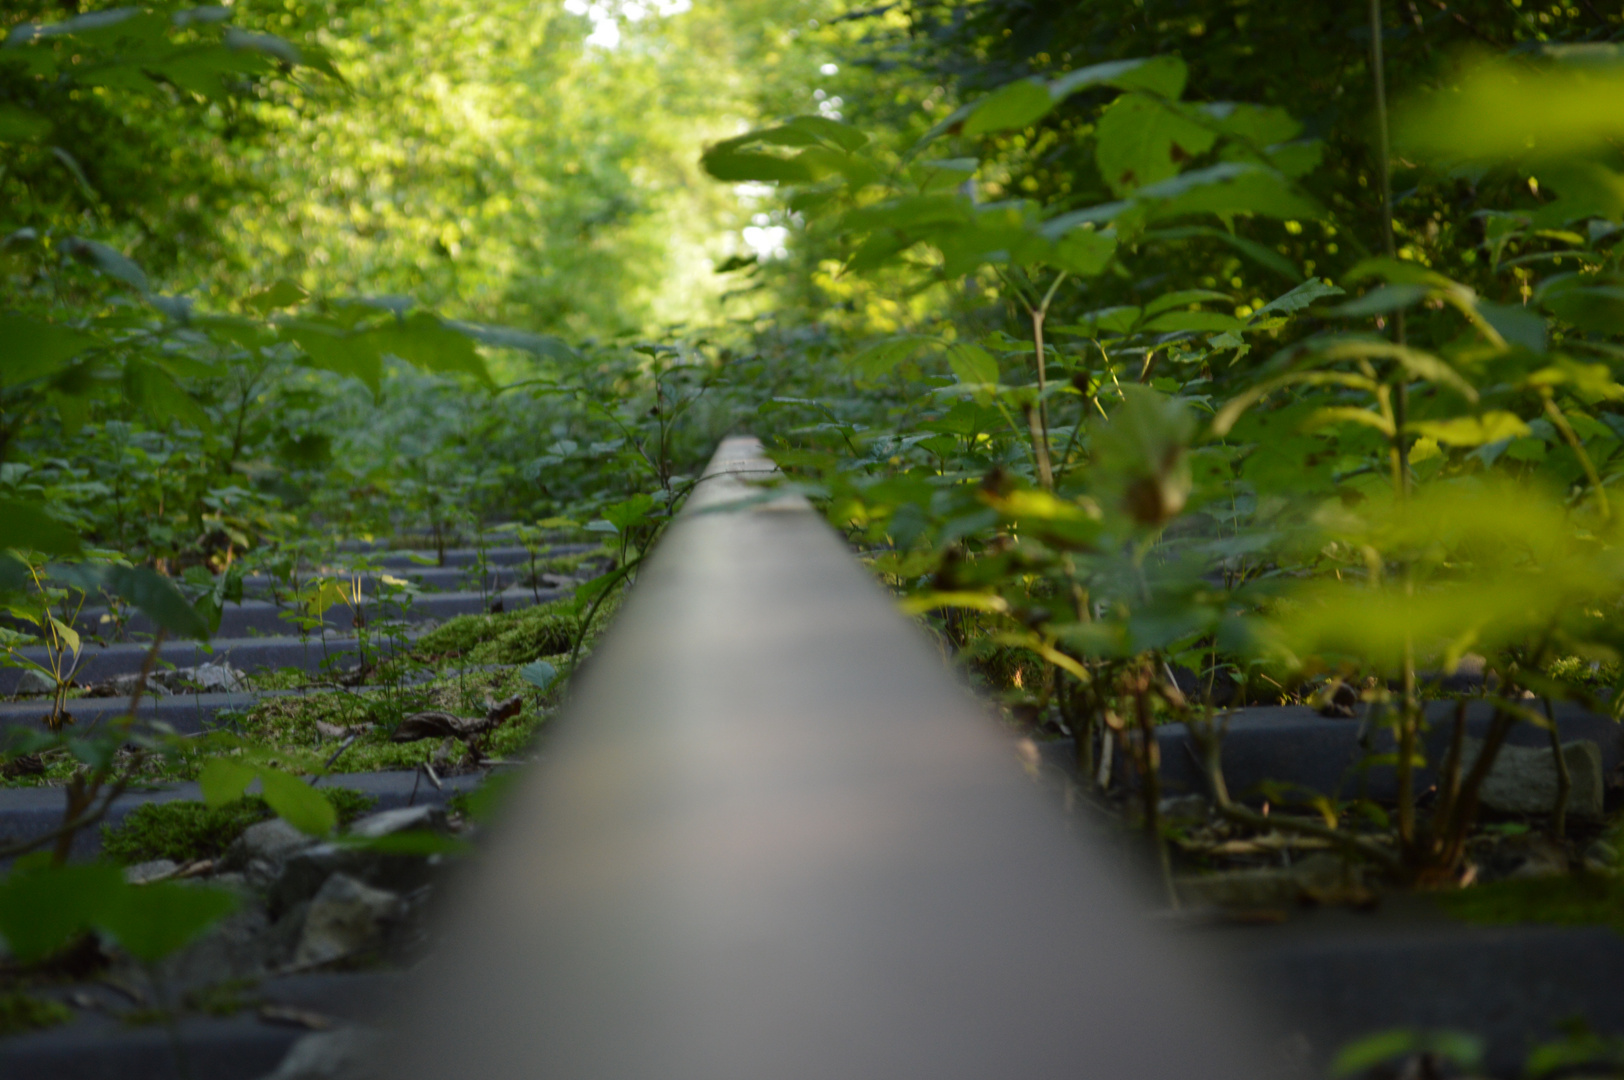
[[186, 831], [1164, 360]]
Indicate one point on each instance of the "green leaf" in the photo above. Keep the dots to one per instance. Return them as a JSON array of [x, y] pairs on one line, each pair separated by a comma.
[[1473, 430], [1164, 75], [1253, 250], [739, 166], [973, 365], [623, 515], [1229, 187], [25, 526], [108, 260], [503, 337], [1198, 321], [1016, 105], [297, 803], [345, 354], [223, 781], [1362, 1055], [19, 125], [1083, 252], [1299, 298], [264, 44], [1518, 325], [1141, 140], [43, 909], [30, 349], [151, 921], [1182, 298], [538, 673], [880, 358], [1382, 300], [157, 597], [423, 340], [283, 294]]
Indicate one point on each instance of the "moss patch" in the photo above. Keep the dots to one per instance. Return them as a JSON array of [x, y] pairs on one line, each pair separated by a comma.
[[24, 1012], [512, 637], [185, 831], [1580, 900]]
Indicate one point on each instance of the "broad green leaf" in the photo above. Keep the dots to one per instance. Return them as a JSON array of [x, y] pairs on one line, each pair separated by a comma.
[[425, 341], [19, 125], [1082, 252], [223, 780], [1518, 325], [264, 44], [151, 921], [973, 365], [30, 349], [44, 908], [283, 294], [538, 673], [108, 260], [149, 386], [1197, 321], [830, 131], [1141, 141], [1299, 298], [1164, 75], [503, 337], [623, 515], [156, 596], [1111, 320], [69, 636], [739, 165], [1382, 300], [1261, 125], [297, 803], [25, 526], [343, 353], [1228, 188], [1016, 105], [880, 358], [1182, 298], [1473, 430]]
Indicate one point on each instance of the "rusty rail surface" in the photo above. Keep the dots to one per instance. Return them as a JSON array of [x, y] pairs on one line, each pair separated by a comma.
[[772, 838]]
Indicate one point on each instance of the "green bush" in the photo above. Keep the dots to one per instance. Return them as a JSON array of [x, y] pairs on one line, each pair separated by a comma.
[[185, 831]]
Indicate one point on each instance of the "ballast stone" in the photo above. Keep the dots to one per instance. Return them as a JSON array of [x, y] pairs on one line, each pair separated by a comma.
[[262, 852], [1523, 779], [345, 918]]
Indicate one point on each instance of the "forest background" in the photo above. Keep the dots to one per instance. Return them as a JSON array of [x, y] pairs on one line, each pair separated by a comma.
[[1115, 334]]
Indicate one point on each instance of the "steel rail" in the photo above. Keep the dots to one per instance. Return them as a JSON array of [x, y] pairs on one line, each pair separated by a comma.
[[771, 838]]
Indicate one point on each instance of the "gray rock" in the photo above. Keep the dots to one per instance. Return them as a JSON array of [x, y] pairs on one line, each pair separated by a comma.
[[404, 819], [1523, 779], [345, 918], [32, 682], [217, 678], [1601, 858], [1183, 808], [349, 1053], [262, 852], [155, 870], [1322, 878]]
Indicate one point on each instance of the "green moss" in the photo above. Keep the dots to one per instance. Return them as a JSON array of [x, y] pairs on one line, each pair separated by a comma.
[[185, 830], [24, 1012], [1586, 899], [512, 637]]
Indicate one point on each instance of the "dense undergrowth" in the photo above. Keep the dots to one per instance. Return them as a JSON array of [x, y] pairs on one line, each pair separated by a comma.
[[1163, 362]]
